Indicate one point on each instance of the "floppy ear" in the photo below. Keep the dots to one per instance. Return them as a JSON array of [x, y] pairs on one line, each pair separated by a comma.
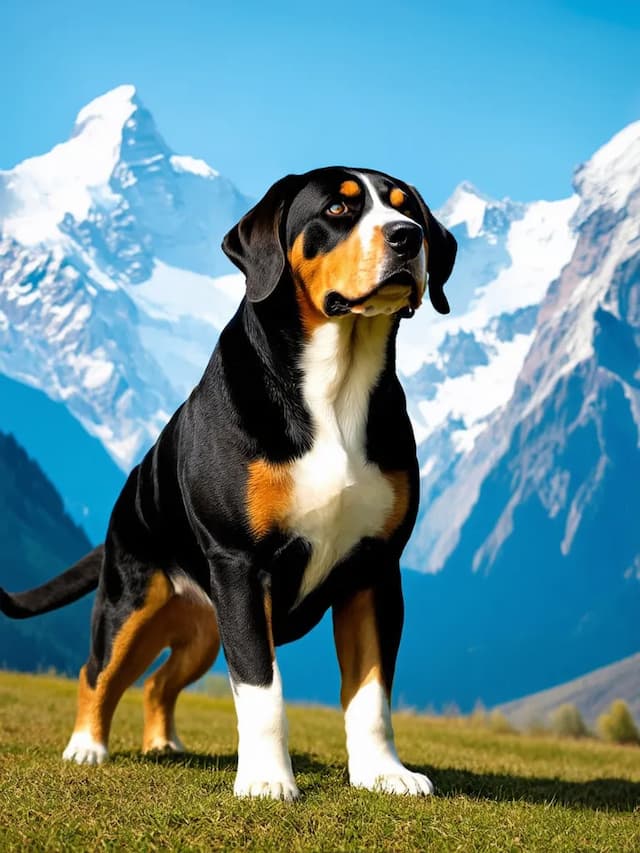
[[256, 243], [442, 254]]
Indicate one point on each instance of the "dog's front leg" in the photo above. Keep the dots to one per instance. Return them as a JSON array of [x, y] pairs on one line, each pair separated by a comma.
[[264, 765], [367, 629]]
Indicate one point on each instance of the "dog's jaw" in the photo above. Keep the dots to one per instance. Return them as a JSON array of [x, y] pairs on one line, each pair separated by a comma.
[[264, 765], [373, 760]]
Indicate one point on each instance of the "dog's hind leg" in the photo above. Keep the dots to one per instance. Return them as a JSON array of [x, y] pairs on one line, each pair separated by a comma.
[[126, 639], [194, 639]]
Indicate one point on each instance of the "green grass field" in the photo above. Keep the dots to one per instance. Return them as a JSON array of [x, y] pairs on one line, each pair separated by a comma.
[[494, 792]]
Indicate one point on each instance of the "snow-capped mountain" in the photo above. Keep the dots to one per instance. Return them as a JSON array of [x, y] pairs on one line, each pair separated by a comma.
[[525, 399], [111, 300], [578, 319], [112, 295], [533, 534]]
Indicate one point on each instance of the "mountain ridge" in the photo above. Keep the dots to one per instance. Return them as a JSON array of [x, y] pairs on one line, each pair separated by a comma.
[[524, 399], [592, 694]]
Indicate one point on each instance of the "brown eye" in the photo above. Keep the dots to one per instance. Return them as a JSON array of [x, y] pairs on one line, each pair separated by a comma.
[[338, 208]]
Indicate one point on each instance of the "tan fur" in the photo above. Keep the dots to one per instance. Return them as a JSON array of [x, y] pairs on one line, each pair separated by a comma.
[[184, 624], [356, 637], [268, 495], [191, 624], [344, 269], [268, 612], [350, 189], [390, 299], [400, 482], [396, 197]]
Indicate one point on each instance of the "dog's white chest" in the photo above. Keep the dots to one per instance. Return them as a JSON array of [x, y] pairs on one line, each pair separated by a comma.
[[338, 497]]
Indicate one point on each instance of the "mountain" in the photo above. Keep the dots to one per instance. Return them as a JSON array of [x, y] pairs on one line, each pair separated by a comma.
[[534, 529], [108, 252], [524, 399], [77, 463], [461, 369], [592, 694], [38, 541]]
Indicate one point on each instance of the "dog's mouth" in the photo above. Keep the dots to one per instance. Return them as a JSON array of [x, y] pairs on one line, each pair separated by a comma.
[[396, 294]]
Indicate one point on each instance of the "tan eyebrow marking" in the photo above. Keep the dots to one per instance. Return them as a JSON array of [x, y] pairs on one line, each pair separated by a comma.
[[350, 188], [397, 197]]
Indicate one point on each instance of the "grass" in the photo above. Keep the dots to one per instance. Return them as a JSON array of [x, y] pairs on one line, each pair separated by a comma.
[[495, 792]]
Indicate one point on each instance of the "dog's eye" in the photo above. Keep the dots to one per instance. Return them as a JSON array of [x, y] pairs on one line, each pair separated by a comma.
[[338, 208]]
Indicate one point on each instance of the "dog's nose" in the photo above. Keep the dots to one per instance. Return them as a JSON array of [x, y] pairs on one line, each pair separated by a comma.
[[405, 238]]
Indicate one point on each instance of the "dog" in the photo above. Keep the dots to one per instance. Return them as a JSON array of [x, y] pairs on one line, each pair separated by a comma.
[[286, 484]]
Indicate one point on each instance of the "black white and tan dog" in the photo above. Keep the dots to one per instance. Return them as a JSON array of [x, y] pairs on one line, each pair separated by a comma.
[[285, 485]]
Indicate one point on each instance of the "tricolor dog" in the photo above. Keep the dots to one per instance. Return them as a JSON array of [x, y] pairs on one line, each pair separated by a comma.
[[285, 485]]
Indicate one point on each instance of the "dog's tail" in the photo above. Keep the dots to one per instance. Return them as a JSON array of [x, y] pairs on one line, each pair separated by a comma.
[[71, 585]]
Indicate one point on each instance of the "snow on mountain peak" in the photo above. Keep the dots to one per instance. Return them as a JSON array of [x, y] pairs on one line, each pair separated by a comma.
[[36, 195], [613, 173], [466, 205], [112, 109]]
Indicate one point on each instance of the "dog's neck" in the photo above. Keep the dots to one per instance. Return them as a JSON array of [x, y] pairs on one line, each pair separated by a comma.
[[287, 349], [283, 379]]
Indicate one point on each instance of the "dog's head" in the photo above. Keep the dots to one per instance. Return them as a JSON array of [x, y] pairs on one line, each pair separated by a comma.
[[354, 241]]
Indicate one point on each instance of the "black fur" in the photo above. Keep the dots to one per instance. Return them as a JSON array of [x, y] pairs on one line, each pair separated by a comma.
[[183, 508], [74, 583]]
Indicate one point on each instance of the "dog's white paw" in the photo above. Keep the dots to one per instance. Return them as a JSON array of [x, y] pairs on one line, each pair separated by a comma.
[[281, 789], [395, 781], [83, 749]]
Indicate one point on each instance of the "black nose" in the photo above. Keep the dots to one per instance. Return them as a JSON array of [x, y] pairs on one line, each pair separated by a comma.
[[405, 238]]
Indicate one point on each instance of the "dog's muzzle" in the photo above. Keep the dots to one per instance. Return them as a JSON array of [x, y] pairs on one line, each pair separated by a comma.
[[336, 305]]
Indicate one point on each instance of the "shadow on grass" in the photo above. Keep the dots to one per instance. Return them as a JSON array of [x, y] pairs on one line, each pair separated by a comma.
[[302, 762], [613, 794]]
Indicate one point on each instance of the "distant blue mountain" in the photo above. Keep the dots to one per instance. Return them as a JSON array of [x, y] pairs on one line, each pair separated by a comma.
[[86, 477], [39, 540]]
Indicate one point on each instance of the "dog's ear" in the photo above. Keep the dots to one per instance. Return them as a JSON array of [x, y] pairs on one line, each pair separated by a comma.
[[256, 244], [442, 254]]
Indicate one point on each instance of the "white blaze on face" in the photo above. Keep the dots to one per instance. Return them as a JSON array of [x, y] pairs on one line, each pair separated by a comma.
[[379, 215]]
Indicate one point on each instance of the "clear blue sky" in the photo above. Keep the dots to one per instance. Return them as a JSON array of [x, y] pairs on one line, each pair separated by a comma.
[[509, 95]]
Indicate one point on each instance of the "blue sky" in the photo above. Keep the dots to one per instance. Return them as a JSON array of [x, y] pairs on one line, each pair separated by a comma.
[[510, 96]]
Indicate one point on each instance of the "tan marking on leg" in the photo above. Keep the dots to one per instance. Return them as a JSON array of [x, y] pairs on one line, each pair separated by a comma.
[[350, 189], [356, 637], [269, 490], [192, 633], [268, 612], [136, 645], [399, 481], [396, 197]]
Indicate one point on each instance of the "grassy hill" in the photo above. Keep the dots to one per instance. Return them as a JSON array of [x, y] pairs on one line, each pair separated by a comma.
[[494, 792], [592, 694]]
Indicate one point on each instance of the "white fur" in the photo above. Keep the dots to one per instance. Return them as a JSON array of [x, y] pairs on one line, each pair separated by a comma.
[[186, 587], [83, 749], [373, 760], [338, 496], [264, 765], [378, 215]]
